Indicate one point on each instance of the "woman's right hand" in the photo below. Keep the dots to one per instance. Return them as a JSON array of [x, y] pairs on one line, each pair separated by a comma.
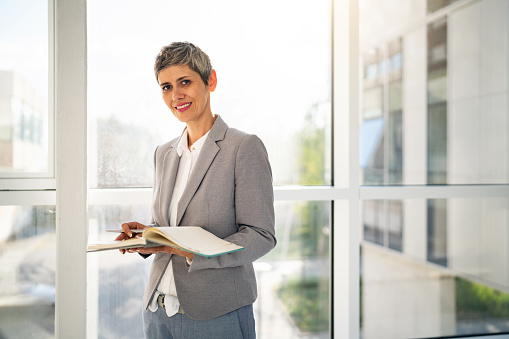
[[126, 234]]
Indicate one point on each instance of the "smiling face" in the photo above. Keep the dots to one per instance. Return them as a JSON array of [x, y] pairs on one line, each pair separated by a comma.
[[187, 96]]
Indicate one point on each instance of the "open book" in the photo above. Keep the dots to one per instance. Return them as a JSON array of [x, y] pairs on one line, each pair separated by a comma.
[[192, 239]]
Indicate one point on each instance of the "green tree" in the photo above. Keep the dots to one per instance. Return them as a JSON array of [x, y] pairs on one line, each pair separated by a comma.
[[307, 297], [312, 150], [313, 170]]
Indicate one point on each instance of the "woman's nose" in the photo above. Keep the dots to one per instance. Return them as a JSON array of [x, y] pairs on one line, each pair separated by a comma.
[[177, 94]]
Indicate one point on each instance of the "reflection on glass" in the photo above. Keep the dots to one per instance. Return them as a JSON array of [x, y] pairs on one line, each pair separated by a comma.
[[437, 231], [381, 133], [395, 143], [440, 85], [371, 145], [383, 223], [437, 102], [435, 5], [313, 148], [27, 272], [405, 294], [293, 279], [257, 77], [395, 115], [24, 86], [395, 225], [118, 166], [373, 220], [115, 281]]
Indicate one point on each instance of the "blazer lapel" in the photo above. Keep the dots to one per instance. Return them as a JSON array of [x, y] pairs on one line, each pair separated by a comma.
[[207, 156], [169, 175]]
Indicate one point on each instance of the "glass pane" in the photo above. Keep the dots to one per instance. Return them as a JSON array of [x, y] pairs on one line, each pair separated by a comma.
[[443, 271], [111, 284], [434, 93], [437, 102], [23, 86], [273, 81], [373, 221], [435, 5], [383, 223], [293, 279], [27, 272]]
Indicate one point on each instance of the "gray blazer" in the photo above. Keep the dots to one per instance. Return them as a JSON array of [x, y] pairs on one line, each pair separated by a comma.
[[229, 193]]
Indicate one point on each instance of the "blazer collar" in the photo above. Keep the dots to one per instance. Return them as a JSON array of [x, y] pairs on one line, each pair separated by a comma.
[[216, 133], [171, 162], [207, 156], [218, 130]]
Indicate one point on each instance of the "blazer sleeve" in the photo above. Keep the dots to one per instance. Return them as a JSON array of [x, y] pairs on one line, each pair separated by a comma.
[[254, 209], [152, 222]]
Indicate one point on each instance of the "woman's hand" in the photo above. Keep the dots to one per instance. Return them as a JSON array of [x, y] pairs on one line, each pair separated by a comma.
[[126, 234], [128, 226], [164, 249]]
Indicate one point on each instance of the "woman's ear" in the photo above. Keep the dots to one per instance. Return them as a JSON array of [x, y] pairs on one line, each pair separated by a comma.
[[212, 81]]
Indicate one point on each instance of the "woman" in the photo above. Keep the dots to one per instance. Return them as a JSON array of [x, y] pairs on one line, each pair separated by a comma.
[[211, 176]]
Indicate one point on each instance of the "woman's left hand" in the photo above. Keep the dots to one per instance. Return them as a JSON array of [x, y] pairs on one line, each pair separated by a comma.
[[164, 249]]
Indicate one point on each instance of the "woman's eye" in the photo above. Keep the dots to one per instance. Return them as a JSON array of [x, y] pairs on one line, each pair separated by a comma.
[[185, 82], [167, 87]]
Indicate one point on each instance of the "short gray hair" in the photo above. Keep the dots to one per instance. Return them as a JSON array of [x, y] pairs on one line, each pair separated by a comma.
[[187, 54]]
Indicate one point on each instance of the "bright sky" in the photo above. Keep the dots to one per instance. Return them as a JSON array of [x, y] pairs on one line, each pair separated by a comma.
[[271, 57], [24, 40]]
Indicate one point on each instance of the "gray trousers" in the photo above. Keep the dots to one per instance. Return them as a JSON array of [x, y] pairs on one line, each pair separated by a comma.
[[238, 324]]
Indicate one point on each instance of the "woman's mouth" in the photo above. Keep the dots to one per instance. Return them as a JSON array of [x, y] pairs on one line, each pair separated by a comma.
[[183, 107]]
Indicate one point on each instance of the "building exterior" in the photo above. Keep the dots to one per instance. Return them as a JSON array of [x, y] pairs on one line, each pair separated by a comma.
[[23, 121], [434, 111]]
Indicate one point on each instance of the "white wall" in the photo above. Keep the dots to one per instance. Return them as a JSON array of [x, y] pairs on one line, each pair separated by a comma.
[[494, 90], [415, 228], [478, 113], [478, 134], [494, 247], [464, 114], [414, 106], [389, 18], [403, 298]]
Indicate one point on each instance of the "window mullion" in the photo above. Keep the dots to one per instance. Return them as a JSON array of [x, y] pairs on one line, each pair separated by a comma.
[[346, 234], [71, 167]]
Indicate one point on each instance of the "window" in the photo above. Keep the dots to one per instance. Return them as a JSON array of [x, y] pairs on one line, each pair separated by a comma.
[[428, 216], [25, 138], [456, 284], [395, 114], [274, 80], [437, 102], [28, 271], [27, 202], [438, 97], [381, 134], [293, 279], [383, 223], [435, 5], [294, 121]]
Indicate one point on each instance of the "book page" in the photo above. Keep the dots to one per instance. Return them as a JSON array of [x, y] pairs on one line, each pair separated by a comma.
[[194, 238], [117, 244]]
